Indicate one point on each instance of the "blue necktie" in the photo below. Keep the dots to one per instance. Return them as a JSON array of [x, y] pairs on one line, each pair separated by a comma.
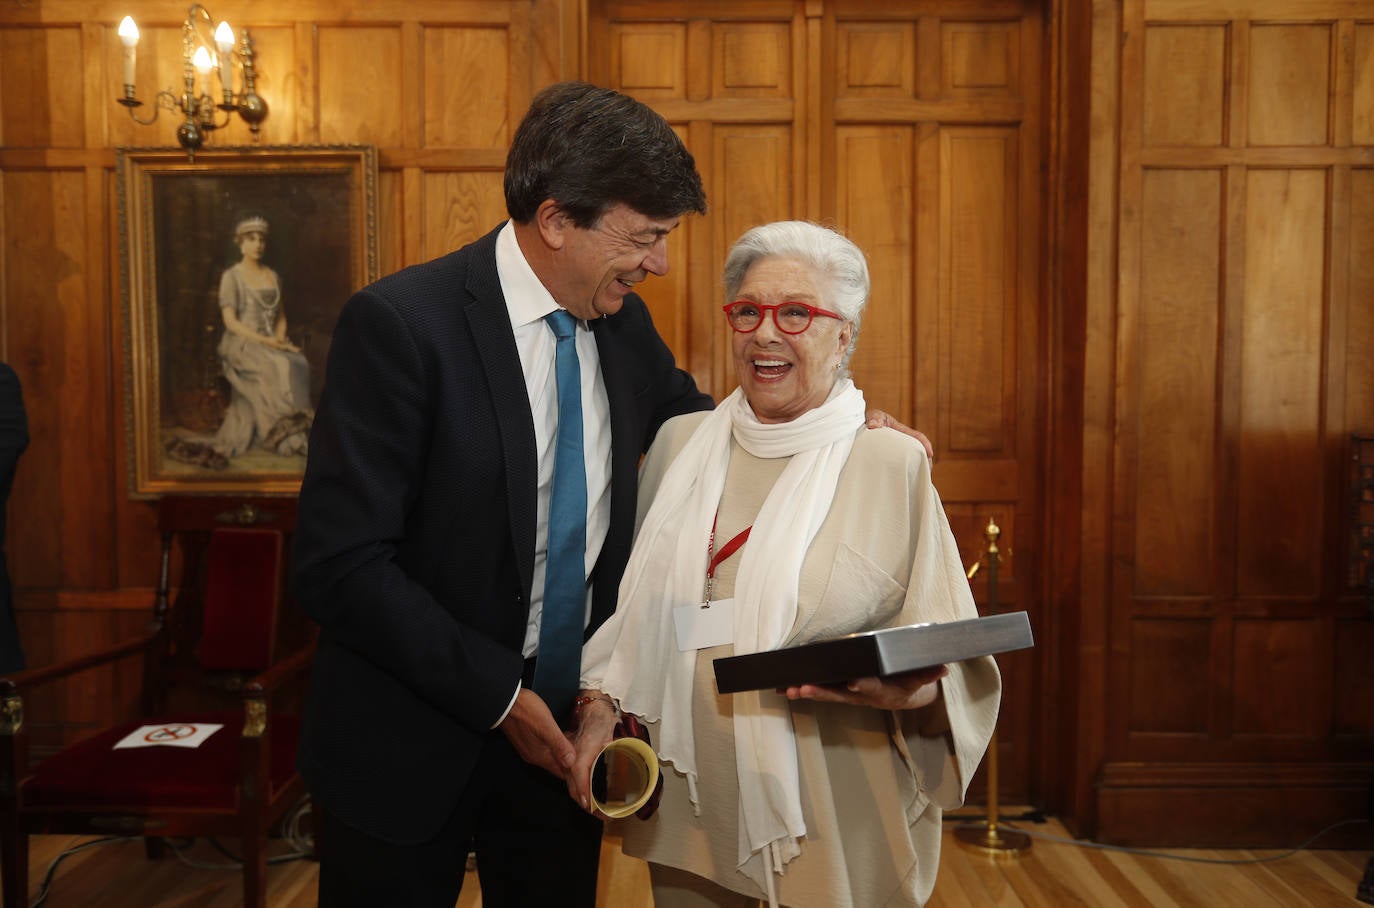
[[559, 663]]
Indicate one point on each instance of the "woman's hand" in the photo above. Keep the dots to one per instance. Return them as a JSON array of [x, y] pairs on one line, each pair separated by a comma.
[[279, 343], [908, 690], [595, 729]]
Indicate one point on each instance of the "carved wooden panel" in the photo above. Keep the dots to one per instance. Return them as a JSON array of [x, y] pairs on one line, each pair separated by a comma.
[[978, 270], [875, 59], [37, 112], [1289, 84], [1276, 677], [456, 60], [981, 57], [649, 59], [751, 60], [1281, 376], [1359, 327], [1179, 312], [352, 61], [459, 207], [1168, 648], [1362, 78], [881, 219], [1239, 326], [1354, 642], [54, 341], [1184, 86]]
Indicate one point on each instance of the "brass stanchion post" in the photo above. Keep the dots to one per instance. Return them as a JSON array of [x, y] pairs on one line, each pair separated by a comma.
[[986, 836]]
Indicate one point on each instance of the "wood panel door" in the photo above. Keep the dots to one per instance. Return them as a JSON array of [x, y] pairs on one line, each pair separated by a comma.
[[916, 130]]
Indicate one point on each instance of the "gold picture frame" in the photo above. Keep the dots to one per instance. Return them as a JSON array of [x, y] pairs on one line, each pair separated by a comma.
[[235, 267]]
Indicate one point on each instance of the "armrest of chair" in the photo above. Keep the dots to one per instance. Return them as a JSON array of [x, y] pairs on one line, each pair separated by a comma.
[[21, 681], [279, 673]]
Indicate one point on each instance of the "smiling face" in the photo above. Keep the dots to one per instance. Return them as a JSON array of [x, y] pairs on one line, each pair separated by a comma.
[[597, 267], [784, 375]]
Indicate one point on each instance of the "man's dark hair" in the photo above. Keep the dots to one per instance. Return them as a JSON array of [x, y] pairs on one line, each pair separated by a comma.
[[588, 148]]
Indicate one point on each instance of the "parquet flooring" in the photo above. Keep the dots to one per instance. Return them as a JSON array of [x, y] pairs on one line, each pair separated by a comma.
[[1051, 875]]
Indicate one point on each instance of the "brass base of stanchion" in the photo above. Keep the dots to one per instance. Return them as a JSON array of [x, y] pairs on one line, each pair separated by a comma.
[[993, 841]]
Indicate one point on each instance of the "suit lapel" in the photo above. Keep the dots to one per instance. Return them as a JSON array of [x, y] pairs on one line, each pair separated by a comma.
[[486, 313]]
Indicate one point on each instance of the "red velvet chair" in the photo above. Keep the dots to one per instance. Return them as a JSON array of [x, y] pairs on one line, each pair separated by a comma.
[[214, 646]]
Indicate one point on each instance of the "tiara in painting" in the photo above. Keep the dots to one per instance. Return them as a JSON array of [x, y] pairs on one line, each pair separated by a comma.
[[251, 225]]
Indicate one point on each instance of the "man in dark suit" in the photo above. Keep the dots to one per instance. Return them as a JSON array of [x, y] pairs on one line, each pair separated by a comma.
[[14, 438], [420, 545]]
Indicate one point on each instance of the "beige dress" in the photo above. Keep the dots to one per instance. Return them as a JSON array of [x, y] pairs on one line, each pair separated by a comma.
[[873, 783]]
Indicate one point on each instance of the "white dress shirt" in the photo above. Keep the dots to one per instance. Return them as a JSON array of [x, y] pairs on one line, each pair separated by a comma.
[[527, 302]]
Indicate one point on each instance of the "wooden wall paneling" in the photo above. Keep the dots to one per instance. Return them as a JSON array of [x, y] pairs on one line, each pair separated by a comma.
[[668, 296], [305, 78], [459, 207], [706, 335], [978, 305], [1125, 462], [1180, 297], [1280, 465], [879, 216], [1343, 79], [134, 537], [1359, 325], [1333, 433], [1289, 83], [34, 66], [751, 184], [353, 61], [814, 108], [1281, 671], [1185, 85], [1068, 106], [457, 58], [1026, 403], [1362, 88], [751, 60], [1167, 652], [1351, 717], [44, 294], [927, 284]]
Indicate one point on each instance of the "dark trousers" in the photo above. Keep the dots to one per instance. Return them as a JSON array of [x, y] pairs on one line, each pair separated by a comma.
[[534, 847]]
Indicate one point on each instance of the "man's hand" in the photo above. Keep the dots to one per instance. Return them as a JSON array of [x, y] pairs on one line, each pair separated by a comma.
[[595, 729], [908, 690], [881, 419], [536, 737]]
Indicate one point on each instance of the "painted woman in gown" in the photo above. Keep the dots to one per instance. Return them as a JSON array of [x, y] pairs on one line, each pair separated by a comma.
[[270, 377], [269, 404]]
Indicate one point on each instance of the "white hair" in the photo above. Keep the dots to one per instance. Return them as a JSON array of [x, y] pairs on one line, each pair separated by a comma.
[[834, 257]]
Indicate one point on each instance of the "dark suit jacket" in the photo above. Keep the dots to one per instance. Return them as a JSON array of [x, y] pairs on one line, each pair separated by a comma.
[[14, 438], [414, 546]]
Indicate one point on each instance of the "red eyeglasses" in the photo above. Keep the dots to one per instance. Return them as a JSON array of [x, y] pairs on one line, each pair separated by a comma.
[[791, 318]]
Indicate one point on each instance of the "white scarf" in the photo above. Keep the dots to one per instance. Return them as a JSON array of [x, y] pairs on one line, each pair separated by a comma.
[[634, 655]]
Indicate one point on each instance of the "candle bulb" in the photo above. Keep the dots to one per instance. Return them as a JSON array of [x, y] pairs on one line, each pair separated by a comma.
[[128, 36], [224, 40]]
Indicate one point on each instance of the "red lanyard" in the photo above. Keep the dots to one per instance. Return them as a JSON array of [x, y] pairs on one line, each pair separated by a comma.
[[715, 558]]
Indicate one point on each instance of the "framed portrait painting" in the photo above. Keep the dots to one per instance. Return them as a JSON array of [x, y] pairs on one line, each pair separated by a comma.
[[235, 269]]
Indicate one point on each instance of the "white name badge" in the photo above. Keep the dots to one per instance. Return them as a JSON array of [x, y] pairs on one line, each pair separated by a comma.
[[700, 626]]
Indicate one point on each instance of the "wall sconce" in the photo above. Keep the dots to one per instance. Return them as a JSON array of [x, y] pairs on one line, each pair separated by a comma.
[[203, 49]]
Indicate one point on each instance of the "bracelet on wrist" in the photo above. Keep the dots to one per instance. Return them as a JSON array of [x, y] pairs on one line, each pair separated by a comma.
[[582, 702]]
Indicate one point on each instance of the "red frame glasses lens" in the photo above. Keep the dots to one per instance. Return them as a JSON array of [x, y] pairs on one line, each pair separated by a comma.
[[763, 311]]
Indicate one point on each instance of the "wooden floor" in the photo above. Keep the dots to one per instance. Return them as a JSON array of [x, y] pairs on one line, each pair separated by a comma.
[[1050, 875]]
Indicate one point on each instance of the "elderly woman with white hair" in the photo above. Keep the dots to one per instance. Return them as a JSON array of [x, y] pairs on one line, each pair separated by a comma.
[[781, 509]]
